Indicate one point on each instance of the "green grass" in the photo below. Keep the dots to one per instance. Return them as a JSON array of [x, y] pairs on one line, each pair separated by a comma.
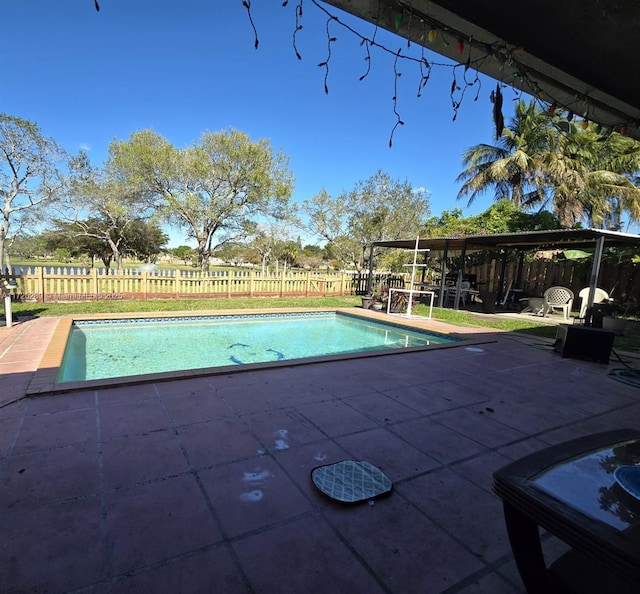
[[464, 318], [160, 305], [456, 318]]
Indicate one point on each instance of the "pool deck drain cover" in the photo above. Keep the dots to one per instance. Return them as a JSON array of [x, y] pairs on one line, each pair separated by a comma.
[[351, 481]]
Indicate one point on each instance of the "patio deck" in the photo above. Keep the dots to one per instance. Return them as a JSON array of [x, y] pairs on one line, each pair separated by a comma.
[[203, 485]]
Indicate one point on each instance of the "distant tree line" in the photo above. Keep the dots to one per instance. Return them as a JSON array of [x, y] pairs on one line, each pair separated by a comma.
[[231, 196]]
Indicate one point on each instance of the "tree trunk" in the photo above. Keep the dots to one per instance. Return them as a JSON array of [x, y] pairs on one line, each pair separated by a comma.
[[203, 255], [7, 259], [4, 231]]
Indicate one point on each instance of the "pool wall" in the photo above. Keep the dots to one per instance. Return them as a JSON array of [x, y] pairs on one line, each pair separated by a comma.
[[44, 380]]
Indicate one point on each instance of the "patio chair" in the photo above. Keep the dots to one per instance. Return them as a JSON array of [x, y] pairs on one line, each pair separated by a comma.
[[557, 298], [600, 296], [465, 286]]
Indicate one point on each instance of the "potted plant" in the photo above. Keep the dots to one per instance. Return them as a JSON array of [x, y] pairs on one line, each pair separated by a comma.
[[379, 299], [367, 300], [398, 302]]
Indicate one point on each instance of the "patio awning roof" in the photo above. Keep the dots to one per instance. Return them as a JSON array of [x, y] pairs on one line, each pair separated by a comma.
[[524, 240]]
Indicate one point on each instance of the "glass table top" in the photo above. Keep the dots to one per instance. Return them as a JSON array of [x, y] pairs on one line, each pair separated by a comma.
[[587, 483]]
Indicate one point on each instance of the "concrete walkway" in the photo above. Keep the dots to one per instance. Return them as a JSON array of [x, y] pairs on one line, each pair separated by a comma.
[[203, 485]]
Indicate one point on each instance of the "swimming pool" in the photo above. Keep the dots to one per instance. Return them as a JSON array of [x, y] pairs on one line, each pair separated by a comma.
[[100, 349]]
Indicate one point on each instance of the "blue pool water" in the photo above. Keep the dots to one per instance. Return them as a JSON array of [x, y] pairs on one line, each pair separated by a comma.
[[115, 348]]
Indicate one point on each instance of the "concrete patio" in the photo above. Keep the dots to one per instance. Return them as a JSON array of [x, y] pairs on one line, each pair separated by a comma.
[[203, 485]]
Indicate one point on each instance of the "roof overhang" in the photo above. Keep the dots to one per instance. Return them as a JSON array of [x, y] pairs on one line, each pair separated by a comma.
[[578, 55]]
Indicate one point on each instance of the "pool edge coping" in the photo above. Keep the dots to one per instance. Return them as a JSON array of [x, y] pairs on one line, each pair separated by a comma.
[[44, 382]]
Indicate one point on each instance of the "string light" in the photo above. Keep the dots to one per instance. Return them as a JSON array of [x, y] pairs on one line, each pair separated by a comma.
[[405, 15]]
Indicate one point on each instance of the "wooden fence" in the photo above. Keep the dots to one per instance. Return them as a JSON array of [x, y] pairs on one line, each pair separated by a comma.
[[620, 279], [359, 282], [90, 284]]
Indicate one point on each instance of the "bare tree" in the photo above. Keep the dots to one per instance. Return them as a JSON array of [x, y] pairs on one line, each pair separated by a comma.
[[33, 174]]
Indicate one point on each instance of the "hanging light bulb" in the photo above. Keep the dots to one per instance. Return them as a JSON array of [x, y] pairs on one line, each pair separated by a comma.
[[460, 46], [623, 130], [552, 108], [585, 124], [433, 33]]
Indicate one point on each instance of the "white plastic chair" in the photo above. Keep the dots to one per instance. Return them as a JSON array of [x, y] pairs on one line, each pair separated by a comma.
[[464, 293], [600, 296], [557, 298]]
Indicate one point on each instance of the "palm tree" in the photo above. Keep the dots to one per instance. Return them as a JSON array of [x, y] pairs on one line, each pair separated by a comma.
[[543, 160], [593, 177], [516, 167]]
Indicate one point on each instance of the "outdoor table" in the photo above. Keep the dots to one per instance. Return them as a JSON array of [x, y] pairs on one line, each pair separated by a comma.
[[570, 491]]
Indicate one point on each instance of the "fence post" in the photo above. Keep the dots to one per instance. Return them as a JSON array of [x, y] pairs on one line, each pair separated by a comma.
[[40, 283], [228, 283], [252, 275], [307, 284], [94, 282], [176, 284], [282, 284]]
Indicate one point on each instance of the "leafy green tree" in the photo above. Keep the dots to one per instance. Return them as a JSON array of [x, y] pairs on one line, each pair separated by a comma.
[[382, 208], [501, 217], [273, 243], [264, 243], [233, 251], [33, 174], [145, 240], [312, 250], [70, 238], [287, 252], [27, 247], [328, 218], [379, 208], [111, 216], [216, 189], [107, 240], [184, 252]]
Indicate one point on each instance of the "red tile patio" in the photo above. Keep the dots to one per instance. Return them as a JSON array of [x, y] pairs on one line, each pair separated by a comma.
[[202, 485]]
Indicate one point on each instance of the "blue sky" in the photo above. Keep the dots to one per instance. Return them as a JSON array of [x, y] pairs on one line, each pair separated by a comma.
[[181, 68]]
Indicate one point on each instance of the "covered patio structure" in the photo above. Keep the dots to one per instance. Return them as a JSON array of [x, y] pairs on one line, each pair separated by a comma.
[[522, 242]]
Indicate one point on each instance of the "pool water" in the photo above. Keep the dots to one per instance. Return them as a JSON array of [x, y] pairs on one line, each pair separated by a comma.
[[99, 349]]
